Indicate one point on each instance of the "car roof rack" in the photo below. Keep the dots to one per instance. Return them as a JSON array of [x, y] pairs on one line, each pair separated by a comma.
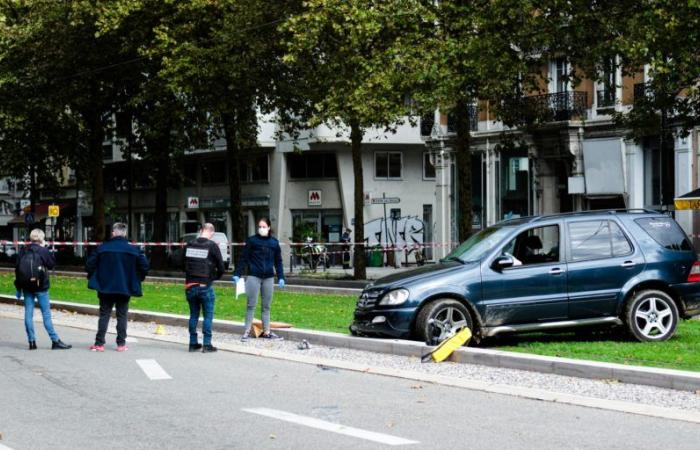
[[595, 212]]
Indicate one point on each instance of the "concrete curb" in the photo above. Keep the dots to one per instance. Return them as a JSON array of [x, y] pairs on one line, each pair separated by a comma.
[[664, 378], [494, 388]]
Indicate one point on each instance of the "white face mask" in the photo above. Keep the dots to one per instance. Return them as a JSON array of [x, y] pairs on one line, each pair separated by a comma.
[[263, 231]]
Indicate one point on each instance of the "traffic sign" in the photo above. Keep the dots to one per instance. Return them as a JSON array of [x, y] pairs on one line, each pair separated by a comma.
[[54, 210], [385, 200]]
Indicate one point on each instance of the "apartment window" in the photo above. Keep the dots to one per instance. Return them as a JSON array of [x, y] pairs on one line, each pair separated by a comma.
[[312, 165], [559, 74], [214, 172], [605, 95], [107, 153], [255, 169], [387, 165], [428, 167]]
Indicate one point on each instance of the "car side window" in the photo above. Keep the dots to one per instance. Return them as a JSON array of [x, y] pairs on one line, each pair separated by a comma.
[[620, 244], [595, 239], [534, 246]]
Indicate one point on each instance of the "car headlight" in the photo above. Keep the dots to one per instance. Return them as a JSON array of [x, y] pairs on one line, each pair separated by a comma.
[[395, 297]]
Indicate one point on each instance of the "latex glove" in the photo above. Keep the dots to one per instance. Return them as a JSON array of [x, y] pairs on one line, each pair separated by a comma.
[[281, 283], [235, 279]]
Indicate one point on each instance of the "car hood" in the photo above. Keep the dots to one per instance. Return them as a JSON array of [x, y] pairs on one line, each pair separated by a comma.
[[421, 273]]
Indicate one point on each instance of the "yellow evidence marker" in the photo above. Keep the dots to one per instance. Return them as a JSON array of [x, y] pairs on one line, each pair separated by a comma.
[[448, 346]]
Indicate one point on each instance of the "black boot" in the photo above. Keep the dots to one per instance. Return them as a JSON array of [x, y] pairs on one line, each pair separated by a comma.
[[32, 345], [209, 349], [60, 345], [195, 347]]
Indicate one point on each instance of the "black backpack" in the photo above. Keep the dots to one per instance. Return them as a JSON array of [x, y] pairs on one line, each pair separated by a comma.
[[30, 273]]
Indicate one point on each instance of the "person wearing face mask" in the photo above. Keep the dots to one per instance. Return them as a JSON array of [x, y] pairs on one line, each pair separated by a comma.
[[261, 257]]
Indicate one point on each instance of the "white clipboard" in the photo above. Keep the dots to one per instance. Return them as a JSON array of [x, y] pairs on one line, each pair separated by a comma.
[[240, 287]]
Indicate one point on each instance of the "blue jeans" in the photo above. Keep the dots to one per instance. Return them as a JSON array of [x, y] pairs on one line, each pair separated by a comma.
[[43, 299], [201, 298]]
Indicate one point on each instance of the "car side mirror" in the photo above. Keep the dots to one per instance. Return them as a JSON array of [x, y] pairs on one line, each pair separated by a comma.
[[503, 262]]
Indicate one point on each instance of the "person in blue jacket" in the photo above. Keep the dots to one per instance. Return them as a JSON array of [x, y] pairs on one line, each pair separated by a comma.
[[115, 270], [261, 257]]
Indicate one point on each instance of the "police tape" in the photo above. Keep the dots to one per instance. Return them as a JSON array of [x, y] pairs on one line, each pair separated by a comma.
[[365, 245]]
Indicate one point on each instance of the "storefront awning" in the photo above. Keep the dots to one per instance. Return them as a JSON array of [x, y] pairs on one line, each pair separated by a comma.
[[691, 200]]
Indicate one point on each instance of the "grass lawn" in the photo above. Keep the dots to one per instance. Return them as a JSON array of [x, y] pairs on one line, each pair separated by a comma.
[[334, 313], [311, 311]]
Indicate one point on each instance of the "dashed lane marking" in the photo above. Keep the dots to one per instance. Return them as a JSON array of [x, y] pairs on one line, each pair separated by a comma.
[[153, 370], [312, 422]]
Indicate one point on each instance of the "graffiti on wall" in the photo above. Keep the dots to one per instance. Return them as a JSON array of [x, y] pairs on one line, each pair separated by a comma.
[[405, 231]]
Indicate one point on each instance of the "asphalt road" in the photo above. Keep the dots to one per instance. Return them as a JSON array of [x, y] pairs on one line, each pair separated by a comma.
[[81, 400]]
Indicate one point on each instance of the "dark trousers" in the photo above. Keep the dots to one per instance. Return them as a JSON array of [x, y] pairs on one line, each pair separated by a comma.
[[201, 299], [107, 302]]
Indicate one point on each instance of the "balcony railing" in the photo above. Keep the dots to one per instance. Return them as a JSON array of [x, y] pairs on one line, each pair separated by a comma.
[[557, 106], [605, 98]]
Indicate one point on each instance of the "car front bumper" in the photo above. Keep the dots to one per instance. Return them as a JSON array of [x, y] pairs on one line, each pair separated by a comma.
[[396, 323]]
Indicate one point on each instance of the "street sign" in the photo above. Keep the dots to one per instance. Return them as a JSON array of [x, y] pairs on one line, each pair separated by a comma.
[[54, 210], [29, 218], [385, 200], [192, 202]]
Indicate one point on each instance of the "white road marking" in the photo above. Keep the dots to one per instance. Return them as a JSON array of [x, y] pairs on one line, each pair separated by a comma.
[[332, 427], [152, 369], [4, 447]]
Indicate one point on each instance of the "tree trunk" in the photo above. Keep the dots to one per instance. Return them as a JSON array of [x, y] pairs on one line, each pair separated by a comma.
[[233, 160], [464, 170], [95, 140], [160, 148], [360, 263]]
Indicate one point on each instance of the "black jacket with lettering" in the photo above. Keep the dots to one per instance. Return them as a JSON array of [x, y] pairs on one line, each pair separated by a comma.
[[203, 262]]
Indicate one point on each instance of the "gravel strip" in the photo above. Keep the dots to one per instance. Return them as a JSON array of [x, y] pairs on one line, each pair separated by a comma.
[[603, 389]]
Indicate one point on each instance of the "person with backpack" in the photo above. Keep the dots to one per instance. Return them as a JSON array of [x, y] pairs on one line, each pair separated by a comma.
[[261, 257], [203, 265], [32, 279], [115, 270]]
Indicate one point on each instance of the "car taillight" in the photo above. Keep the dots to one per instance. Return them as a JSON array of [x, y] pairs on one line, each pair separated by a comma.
[[694, 275]]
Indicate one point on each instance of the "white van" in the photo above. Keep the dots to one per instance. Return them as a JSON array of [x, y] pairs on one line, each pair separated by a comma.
[[177, 255]]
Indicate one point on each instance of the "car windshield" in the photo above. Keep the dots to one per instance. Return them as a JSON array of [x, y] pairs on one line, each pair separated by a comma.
[[476, 247]]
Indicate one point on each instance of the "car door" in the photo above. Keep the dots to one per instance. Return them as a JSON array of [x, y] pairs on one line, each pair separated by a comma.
[[534, 288], [601, 259]]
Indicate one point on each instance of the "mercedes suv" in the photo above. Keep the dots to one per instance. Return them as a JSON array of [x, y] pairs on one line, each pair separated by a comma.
[[635, 268]]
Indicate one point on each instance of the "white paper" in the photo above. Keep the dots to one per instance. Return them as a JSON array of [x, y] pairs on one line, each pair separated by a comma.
[[240, 287]]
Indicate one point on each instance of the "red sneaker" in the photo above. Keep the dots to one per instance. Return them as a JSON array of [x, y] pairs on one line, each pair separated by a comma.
[[122, 348], [97, 348]]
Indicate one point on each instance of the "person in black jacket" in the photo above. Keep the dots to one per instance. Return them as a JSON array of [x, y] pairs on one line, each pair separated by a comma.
[[261, 257], [203, 265], [115, 270], [32, 278]]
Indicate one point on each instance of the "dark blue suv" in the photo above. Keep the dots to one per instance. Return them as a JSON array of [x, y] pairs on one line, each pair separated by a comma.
[[632, 268]]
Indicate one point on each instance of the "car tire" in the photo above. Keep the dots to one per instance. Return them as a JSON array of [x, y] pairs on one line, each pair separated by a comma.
[[441, 319], [651, 316]]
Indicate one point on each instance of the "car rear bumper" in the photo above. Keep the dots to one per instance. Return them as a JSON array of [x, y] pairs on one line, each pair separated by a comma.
[[690, 296], [394, 323]]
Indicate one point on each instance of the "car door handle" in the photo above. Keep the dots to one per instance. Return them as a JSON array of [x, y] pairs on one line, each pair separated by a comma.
[[628, 264], [556, 271]]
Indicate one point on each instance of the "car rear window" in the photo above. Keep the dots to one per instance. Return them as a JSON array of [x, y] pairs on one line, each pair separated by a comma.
[[666, 232]]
